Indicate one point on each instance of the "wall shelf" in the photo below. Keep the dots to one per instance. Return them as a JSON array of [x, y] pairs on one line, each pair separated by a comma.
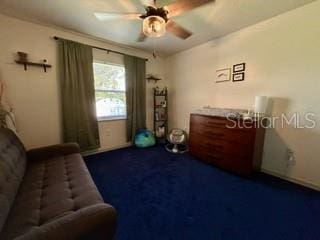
[[152, 78], [26, 64]]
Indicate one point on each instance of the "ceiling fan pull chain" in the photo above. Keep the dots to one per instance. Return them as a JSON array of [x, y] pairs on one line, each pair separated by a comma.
[[154, 49]]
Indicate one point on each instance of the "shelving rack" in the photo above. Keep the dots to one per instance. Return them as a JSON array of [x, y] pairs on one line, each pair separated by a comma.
[[160, 113]]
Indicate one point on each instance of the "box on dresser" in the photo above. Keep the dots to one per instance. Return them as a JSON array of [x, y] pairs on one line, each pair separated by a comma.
[[232, 144]]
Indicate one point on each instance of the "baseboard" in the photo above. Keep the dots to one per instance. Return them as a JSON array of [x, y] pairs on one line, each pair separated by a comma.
[[296, 181], [101, 150]]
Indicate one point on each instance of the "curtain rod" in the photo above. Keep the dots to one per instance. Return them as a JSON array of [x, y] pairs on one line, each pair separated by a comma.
[[100, 48]]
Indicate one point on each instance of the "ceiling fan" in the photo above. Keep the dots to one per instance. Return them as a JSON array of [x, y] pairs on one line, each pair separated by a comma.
[[157, 20]]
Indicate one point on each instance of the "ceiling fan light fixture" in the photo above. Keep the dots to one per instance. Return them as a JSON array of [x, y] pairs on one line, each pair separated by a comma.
[[154, 26]]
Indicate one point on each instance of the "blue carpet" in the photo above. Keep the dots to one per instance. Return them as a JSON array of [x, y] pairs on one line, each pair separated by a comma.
[[162, 196]]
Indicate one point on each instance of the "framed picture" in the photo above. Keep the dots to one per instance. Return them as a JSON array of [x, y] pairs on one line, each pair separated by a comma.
[[223, 75], [238, 77], [241, 67]]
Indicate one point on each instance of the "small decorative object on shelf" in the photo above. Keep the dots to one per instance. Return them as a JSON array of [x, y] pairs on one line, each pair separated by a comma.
[[160, 123], [160, 92], [152, 77], [163, 104], [23, 60], [23, 57], [161, 131]]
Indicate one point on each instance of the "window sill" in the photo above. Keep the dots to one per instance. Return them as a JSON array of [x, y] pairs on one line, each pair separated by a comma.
[[104, 119]]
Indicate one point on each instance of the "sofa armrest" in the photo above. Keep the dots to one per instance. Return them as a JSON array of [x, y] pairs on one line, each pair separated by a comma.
[[53, 151], [81, 224]]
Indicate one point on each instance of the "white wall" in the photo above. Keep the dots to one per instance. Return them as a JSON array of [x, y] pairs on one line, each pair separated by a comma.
[[34, 95], [283, 61]]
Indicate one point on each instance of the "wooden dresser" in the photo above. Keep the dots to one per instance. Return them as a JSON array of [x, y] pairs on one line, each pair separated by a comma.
[[238, 149]]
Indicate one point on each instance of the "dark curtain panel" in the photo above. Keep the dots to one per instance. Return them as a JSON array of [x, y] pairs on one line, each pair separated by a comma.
[[135, 94], [77, 95]]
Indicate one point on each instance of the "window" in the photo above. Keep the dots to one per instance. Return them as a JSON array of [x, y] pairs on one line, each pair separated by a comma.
[[109, 82]]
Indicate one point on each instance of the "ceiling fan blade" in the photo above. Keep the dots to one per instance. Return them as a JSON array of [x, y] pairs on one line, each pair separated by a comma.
[[142, 37], [105, 16], [148, 3], [177, 30], [181, 6]]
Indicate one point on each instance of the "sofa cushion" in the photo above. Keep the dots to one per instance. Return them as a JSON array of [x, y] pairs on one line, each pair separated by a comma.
[[51, 189], [12, 169]]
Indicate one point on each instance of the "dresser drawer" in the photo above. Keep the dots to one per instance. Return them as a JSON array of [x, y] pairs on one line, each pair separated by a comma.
[[208, 121], [207, 156], [237, 164], [212, 133], [224, 146], [216, 122]]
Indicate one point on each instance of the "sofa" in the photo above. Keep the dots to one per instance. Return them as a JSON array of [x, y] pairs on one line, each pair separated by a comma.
[[48, 193]]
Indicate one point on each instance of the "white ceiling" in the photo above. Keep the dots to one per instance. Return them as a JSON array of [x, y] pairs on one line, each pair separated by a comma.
[[208, 22]]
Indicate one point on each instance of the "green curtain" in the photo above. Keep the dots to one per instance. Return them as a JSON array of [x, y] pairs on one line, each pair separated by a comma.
[[135, 94], [77, 95]]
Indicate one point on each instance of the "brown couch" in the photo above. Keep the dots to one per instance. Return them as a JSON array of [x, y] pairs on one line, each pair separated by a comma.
[[48, 193]]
